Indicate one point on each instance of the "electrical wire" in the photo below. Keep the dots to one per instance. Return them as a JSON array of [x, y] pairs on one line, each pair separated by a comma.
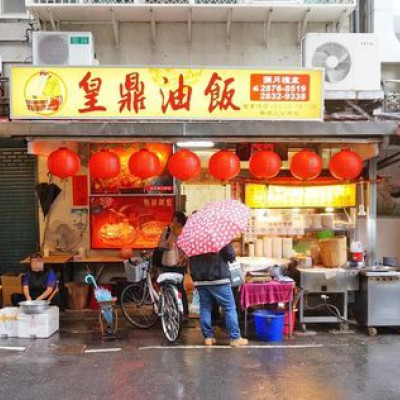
[[335, 312]]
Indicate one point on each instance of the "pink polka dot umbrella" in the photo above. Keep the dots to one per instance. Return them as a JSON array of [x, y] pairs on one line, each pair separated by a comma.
[[213, 227]]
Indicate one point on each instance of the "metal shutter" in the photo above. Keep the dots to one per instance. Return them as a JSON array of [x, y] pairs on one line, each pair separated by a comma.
[[18, 208]]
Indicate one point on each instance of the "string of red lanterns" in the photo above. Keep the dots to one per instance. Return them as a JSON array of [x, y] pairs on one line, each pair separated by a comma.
[[144, 164], [63, 163], [224, 165], [306, 165], [104, 165], [346, 165], [265, 164], [184, 165]]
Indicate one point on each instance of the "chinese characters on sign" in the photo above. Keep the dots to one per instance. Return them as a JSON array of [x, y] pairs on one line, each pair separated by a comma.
[[178, 99], [91, 87], [280, 87], [223, 99], [275, 196], [191, 93], [132, 93]]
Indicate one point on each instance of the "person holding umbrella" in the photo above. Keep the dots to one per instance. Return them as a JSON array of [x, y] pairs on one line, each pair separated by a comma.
[[211, 276], [206, 239]]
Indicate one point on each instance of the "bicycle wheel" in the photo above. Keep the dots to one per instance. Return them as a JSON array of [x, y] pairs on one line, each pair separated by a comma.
[[137, 306], [171, 316]]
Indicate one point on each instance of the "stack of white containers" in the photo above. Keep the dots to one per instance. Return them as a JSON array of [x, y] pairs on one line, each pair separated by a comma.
[[271, 247], [14, 323]]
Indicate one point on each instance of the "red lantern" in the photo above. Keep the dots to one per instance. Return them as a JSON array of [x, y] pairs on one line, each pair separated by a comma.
[[63, 163], [346, 165], [306, 165], [265, 164], [144, 164], [104, 165], [184, 165], [224, 165]]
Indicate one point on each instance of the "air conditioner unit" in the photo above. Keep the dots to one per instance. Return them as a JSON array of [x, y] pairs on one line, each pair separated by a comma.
[[63, 48], [386, 25], [349, 59]]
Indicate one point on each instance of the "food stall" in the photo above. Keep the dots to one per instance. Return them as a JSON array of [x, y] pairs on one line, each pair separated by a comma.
[[289, 215], [311, 224], [124, 187]]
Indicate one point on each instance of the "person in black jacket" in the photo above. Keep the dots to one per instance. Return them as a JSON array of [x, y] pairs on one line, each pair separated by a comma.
[[211, 276]]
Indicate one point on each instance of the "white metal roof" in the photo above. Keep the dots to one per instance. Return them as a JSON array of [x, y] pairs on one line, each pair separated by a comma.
[[257, 11]]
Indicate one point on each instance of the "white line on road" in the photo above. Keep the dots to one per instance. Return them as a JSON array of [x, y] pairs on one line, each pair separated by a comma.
[[108, 350], [12, 348], [261, 346]]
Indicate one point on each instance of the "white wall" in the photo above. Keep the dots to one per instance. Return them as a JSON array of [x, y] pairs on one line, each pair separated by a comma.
[[208, 44], [388, 236]]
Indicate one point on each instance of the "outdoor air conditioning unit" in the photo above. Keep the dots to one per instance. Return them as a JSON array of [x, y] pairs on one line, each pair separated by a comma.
[[63, 48], [386, 25], [349, 59]]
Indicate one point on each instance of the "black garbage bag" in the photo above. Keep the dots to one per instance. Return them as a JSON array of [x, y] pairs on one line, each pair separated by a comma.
[[47, 194]]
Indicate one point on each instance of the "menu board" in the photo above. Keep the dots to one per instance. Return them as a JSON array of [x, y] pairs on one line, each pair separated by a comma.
[[129, 221], [274, 196], [200, 195]]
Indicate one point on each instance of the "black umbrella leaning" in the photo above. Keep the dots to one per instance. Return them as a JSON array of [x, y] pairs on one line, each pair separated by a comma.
[[47, 194]]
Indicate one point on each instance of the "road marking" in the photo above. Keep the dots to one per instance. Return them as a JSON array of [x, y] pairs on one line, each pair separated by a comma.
[[107, 350], [255, 346], [12, 348]]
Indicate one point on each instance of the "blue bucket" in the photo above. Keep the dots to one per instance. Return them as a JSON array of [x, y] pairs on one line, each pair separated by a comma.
[[269, 325]]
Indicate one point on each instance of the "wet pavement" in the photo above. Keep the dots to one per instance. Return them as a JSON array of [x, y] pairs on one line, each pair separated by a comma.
[[76, 364]]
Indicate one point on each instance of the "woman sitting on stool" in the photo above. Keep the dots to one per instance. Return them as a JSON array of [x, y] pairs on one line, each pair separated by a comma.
[[38, 284]]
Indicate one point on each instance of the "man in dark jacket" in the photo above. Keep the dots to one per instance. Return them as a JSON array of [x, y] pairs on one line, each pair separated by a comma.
[[211, 276]]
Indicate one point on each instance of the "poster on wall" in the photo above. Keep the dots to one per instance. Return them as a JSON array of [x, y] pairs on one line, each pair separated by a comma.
[[125, 183], [389, 189], [79, 220], [80, 190], [129, 221]]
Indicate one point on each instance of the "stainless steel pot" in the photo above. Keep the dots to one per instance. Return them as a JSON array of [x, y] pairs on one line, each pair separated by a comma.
[[34, 306]]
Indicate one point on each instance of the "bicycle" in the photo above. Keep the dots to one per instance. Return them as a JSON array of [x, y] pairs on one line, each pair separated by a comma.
[[142, 303]]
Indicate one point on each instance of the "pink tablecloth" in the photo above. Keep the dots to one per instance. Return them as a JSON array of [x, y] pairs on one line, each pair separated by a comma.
[[252, 294]]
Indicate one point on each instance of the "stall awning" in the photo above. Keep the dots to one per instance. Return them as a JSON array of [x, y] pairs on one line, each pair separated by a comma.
[[222, 130]]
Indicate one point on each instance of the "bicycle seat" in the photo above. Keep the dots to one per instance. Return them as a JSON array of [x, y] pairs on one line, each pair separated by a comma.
[[172, 277]]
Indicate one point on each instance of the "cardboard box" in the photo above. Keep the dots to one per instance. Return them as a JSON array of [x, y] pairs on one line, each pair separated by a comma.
[[32, 326], [8, 292], [10, 284], [11, 280]]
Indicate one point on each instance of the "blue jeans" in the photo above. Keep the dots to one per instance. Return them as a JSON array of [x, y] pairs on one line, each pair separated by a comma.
[[223, 295]]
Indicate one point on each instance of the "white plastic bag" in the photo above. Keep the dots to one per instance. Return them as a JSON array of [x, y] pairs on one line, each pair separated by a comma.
[[237, 274], [195, 306]]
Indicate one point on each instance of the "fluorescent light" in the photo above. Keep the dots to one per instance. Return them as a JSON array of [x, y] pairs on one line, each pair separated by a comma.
[[329, 209], [196, 144]]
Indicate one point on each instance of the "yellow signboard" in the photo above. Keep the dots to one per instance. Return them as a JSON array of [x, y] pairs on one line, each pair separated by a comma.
[[262, 196], [166, 93]]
